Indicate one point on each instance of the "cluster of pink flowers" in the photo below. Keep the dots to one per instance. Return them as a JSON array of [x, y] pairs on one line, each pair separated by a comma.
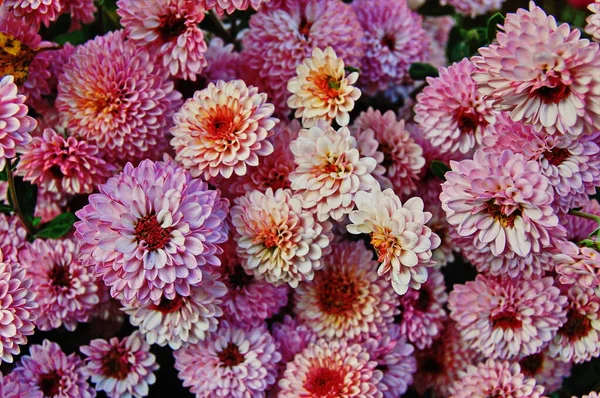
[[271, 193]]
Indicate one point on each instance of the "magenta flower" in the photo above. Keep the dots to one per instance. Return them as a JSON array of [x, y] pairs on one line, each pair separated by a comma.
[[473, 8], [223, 61], [13, 237], [151, 230], [591, 395], [592, 27], [578, 265], [579, 228], [229, 6], [12, 388], [120, 367], [35, 12], [292, 337], [547, 370]]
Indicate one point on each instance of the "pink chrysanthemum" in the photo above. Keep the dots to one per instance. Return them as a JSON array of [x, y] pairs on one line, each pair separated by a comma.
[[547, 370], [15, 125], [233, 363], [368, 147], [394, 39], [473, 8], [281, 36], [229, 6], [81, 12], [499, 379], [12, 388], [151, 230], [444, 253], [277, 240], [64, 165], [331, 369], [66, 289], [402, 156], [329, 170], [223, 129], [248, 301], [168, 29], [49, 372], [578, 265], [223, 61], [18, 309], [111, 94], [501, 202], [590, 395], [438, 29], [346, 299], [507, 318], [578, 340], [547, 78], [453, 115], [593, 21], [399, 236], [292, 337], [13, 237], [35, 12], [579, 228], [422, 314], [120, 367], [182, 319]]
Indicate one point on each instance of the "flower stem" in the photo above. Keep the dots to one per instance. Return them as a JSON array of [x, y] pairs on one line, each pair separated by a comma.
[[583, 214], [214, 25], [15, 200]]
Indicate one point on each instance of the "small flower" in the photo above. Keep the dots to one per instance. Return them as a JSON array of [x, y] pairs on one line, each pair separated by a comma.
[[49, 372], [13, 237], [18, 309], [401, 239], [35, 12], [578, 265], [11, 388], [223, 129], [321, 90], [547, 370], [229, 6], [329, 170], [277, 240], [593, 21], [151, 230], [473, 8], [64, 165], [331, 369], [120, 367], [223, 61], [15, 125], [233, 363], [590, 395], [292, 337]]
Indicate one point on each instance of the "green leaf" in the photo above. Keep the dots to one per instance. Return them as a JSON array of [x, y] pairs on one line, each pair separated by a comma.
[[439, 169], [3, 175], [57, 227], [432, 8], [419, 71], [460, 51], [4, 208], [36, 221], [492, 26], [351, 69], [27, 197], [75, 38]]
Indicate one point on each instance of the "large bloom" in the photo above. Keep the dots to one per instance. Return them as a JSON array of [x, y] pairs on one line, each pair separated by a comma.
[[593, 21], [508, 318], [15, 125], [277, 240], [321, 90], [182, 319], [113, 95], [223, 129], [233, 363], [543, 74], [18, 309], [151, 230], [48, 372], [66, 289], [453, 115], [329, 170], [331, 369], [399, 236], [120, 367], [169, 29], [394, 39], [578, 265], [346, 299], [498, 379]]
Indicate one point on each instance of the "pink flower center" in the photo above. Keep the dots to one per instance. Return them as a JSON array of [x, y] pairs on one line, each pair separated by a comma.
[[389, 41], [424, 300], [231, 356], [556, 156], [49, 383], [577, 326], [506, 320], [553, 95], [325, 383], [149, 230], [60, 276], [238, 278], [532, 364], [506, 220], [171, 26], [115, 364], [467, 120], [167, 306], [337, 292]]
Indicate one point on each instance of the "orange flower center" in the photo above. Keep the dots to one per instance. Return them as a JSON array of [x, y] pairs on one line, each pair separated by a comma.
[[115, 364], [325, 383], [337, 292], [269, 238], [383, 242], [230, 356], [326, 86], [149, 230], [220, 123]]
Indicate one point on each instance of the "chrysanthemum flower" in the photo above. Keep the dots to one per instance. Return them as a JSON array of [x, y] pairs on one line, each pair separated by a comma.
[[18, 309], [66, 289], [346, 299], [182, 319], [394, 39], [593, 21], [167, 29], [64, 165], [329, 170], [473, 8], [368, 146], [233, 363], [590, 395], [49, 372], [547, 370], [292, 337], [402, 157], [498, 379], [578, 265], [546, 79], [229, 6], [80, 11], [399, 236], [35, 12], [331, 369], [579, 228], [453, 115], [12, 388], [422, 314], [15, 125], [151, 230], [438, 29], [282, 35], [277, 240], [13, 237], [113, 95], [501, 202], [444, 253], [223, 129], [321, 90], [578, 340], [120, 367], [223, 61]]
